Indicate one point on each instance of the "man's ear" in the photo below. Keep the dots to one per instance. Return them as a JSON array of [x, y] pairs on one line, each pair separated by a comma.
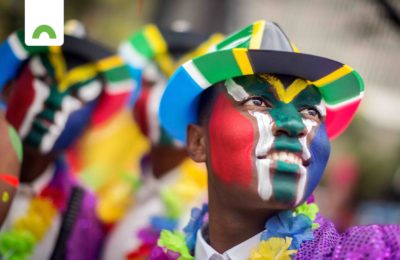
[[196, 143]]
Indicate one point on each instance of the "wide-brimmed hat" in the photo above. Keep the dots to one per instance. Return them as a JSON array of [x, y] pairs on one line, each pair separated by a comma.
[[261, 47]]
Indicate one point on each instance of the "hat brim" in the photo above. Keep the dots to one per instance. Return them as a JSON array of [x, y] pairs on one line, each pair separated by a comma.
[[340, 86]]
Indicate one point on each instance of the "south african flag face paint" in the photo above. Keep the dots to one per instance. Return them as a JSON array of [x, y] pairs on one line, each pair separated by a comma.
[[52, 100], [267, 134]]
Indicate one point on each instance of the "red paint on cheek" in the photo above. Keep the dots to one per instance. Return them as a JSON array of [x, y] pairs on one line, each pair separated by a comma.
[[21, 99], [231, 143]]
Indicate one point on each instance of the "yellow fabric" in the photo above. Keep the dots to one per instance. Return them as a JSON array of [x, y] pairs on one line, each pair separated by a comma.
[[257, 34], [76, 75], [344, 70], [109, 63], [243, 61]]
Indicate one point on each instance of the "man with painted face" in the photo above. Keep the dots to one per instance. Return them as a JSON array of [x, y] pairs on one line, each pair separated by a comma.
[[260, 115], [52, 94], [152, 54]]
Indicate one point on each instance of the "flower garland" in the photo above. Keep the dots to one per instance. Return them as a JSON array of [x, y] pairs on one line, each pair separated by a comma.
[[282, 237], [191, 182], [19, 242]]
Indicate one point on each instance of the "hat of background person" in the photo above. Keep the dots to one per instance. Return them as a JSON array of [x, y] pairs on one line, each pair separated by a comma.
[[153, 51], [261, 47], [118, 83], [152, 54]]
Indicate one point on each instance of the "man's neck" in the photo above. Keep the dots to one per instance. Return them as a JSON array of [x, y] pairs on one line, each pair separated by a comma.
[[229, 227]]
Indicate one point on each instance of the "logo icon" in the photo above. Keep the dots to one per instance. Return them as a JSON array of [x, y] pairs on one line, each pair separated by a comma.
[[44, 22]]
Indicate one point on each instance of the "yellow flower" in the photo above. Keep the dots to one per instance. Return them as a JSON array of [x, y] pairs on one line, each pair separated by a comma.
[[275, 248]]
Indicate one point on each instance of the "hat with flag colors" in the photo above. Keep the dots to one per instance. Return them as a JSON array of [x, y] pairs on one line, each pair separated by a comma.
[[261, 47]]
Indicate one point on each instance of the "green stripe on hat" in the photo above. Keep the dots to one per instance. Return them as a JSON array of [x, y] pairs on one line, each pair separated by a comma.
[[218, 67], [117, 74], [240, 39], [139, 42], [341, 90]]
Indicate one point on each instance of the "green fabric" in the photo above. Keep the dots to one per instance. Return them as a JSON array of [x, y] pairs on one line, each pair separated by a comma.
[[117, 74], [341, 90], [242, 35], [141, 44], [175, 242], [213, 65]]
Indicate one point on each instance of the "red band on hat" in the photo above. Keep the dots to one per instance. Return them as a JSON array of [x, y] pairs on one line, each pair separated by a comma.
[[10, 179]]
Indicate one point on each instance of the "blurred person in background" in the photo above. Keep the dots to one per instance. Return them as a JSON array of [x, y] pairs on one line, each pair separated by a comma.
[[170, 182], [261, 116], [52, 94]]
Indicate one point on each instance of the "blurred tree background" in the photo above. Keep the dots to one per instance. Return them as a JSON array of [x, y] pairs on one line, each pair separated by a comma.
[[362, 33]]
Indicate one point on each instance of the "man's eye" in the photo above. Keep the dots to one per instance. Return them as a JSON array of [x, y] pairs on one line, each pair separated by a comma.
[[311, 112], [255, 101]]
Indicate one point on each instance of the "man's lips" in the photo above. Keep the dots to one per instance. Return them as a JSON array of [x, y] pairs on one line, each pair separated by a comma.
[[287, 157]]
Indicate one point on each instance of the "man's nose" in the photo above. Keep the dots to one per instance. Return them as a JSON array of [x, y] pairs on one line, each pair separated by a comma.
[[289, 125]]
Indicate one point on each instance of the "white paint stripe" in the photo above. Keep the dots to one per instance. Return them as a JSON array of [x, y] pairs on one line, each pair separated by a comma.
[[266, 138], [345, 103], [68, 105], [301, 186], [17, 47], [131, 56], [264, 179], [303, 140], [152, 111], [196, 74], [41, 92], [235, 90], [321, 108], [90, 91]]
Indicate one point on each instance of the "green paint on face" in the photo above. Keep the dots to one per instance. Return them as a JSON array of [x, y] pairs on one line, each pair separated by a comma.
[[285, 182], [15, 141], [284, 143], [288, 119]]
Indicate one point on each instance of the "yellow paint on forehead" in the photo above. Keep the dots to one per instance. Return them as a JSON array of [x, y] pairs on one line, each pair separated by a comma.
[[66, 79], [288, 94], [76, 75], [56, 58]]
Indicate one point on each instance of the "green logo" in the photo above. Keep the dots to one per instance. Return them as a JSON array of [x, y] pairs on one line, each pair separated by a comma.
[[44, 29]]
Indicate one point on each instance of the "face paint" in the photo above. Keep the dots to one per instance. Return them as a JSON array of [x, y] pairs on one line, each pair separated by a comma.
[[231, 143], [49, 116], [279, 154]]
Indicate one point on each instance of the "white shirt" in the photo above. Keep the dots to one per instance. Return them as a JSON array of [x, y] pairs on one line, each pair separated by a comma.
[[242, 251], [148, 202], [22, 199]]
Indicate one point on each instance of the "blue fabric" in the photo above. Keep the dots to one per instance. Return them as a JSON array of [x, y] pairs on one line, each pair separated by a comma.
[[179, 104], [9, 64], [136, 75]]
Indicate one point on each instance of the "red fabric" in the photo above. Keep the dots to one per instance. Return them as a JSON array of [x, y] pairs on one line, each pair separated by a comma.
[[338, 119], [143, 252]]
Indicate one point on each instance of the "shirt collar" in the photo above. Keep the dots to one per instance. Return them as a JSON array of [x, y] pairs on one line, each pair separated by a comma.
[[241, 251]]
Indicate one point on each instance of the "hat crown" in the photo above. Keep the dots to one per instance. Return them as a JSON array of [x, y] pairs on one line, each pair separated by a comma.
[[260, 35]]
